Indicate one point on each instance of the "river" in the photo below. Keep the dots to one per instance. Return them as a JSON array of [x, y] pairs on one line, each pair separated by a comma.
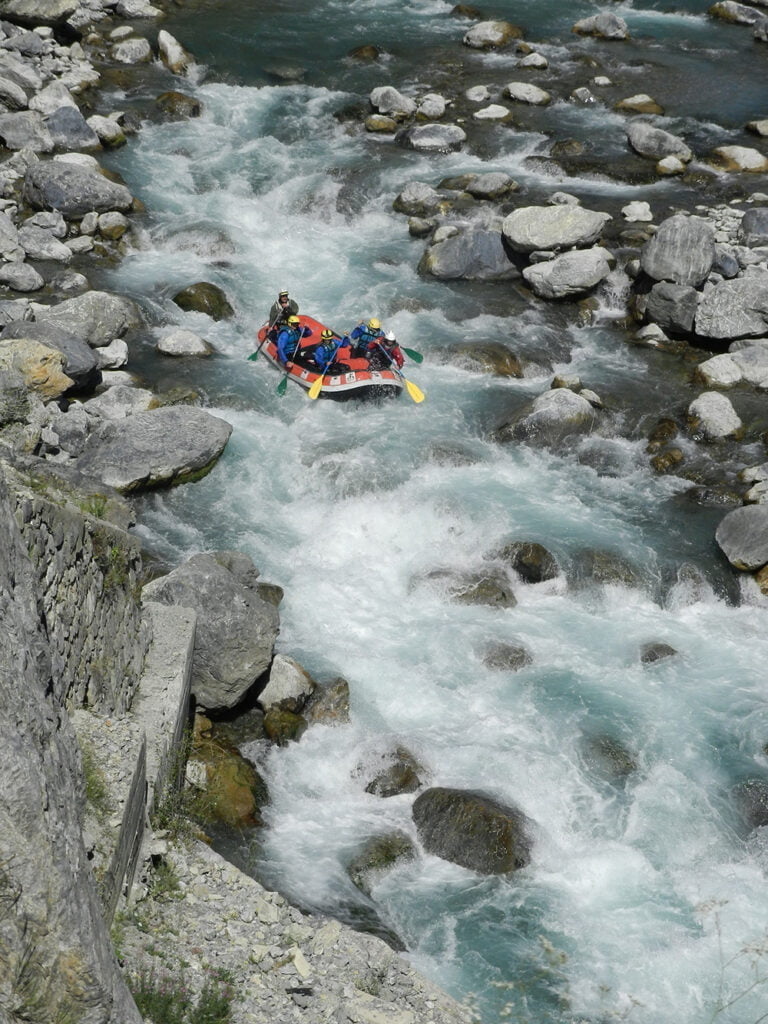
[[645, 901]]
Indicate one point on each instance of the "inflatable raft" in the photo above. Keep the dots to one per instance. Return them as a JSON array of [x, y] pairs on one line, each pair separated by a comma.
[[359, 381]]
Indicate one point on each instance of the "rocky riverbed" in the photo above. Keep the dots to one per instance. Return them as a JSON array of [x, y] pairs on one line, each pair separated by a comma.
[[693, 284]]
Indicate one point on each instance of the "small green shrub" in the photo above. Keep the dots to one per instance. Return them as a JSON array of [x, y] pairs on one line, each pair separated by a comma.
[[95, 505], [167, 999], [96, 789]]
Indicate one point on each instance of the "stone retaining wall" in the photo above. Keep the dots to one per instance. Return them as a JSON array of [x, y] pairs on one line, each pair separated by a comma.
[[87, 585]]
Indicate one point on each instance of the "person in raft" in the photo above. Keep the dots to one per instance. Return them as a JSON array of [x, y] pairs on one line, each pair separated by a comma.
[[288, 339], [331, 352], [365, 336], [386, 353], [283, 307]]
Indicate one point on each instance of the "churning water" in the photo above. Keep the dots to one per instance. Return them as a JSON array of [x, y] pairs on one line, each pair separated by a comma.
[[646, 902]]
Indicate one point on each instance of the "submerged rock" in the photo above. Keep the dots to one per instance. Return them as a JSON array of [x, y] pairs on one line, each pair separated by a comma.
[[605, 25], [506, 657], [473, 830], [378, 855], [549, 419], [401, 773], [204, 297], [530, 560]]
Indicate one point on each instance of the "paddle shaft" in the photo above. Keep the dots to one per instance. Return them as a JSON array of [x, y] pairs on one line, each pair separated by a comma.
[[416, 393], [317, 385]]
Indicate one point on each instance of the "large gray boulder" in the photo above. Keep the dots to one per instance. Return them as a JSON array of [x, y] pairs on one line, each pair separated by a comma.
[[743, 537], [388, 100], [81, 362], [236, 628], [735, 309], [549, 419], [418, 199], [474, 254], [491, 35], [70, 131], [681, 251], [53, 13], [289, 686], [155, 448], [672, 306], [473, 830], [72, 189], [571, 274], [553, 228], [655, 143], [55, 950], [96, 317]]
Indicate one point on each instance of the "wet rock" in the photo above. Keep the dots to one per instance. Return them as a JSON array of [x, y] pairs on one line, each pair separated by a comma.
[[637, 210], [571, 274], [681, 251], [378, 855], [380, 123], [473, 830], [474, 254], [552, 228], [204, 297], [751, 799], [736, 13], [284, 727], [505, 657], [742, 536], [431, 107], [418, 199], [493, 112], [608, 758], [492, 35], [229, 788], [605, 567], [135, 50], [605, 25], [530, 560], [328, 704], [641, 103], [495, 185], [366, 52], [487, 357], [236, 629], [736, 308], [656, 651], [178, 106], [72, 190], [401, 773], [549, 419], [490, 587], [121, 400], [20, 277], [156, 448], [655, 143], [432, 138]]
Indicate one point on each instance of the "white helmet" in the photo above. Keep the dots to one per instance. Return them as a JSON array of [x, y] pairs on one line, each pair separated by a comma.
[[390, 336]]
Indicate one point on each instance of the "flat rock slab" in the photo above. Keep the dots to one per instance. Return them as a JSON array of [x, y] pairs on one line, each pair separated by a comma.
[[155, 448], [73, 190], [735, 309], [531, 228]]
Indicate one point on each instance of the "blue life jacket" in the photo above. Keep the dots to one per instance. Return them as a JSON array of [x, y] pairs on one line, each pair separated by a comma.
[[366, 338]]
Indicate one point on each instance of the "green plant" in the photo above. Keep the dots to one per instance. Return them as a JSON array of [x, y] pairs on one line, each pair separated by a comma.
[[164, 882], [96, 789], [167, 999], [95, 505]]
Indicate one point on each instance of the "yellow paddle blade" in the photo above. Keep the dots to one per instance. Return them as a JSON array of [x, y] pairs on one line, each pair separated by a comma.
[[314, 391], [416, 393]]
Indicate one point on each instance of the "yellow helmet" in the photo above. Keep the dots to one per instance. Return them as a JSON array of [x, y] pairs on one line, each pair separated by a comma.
[[293, 319], [326, 333], [374, 324]]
